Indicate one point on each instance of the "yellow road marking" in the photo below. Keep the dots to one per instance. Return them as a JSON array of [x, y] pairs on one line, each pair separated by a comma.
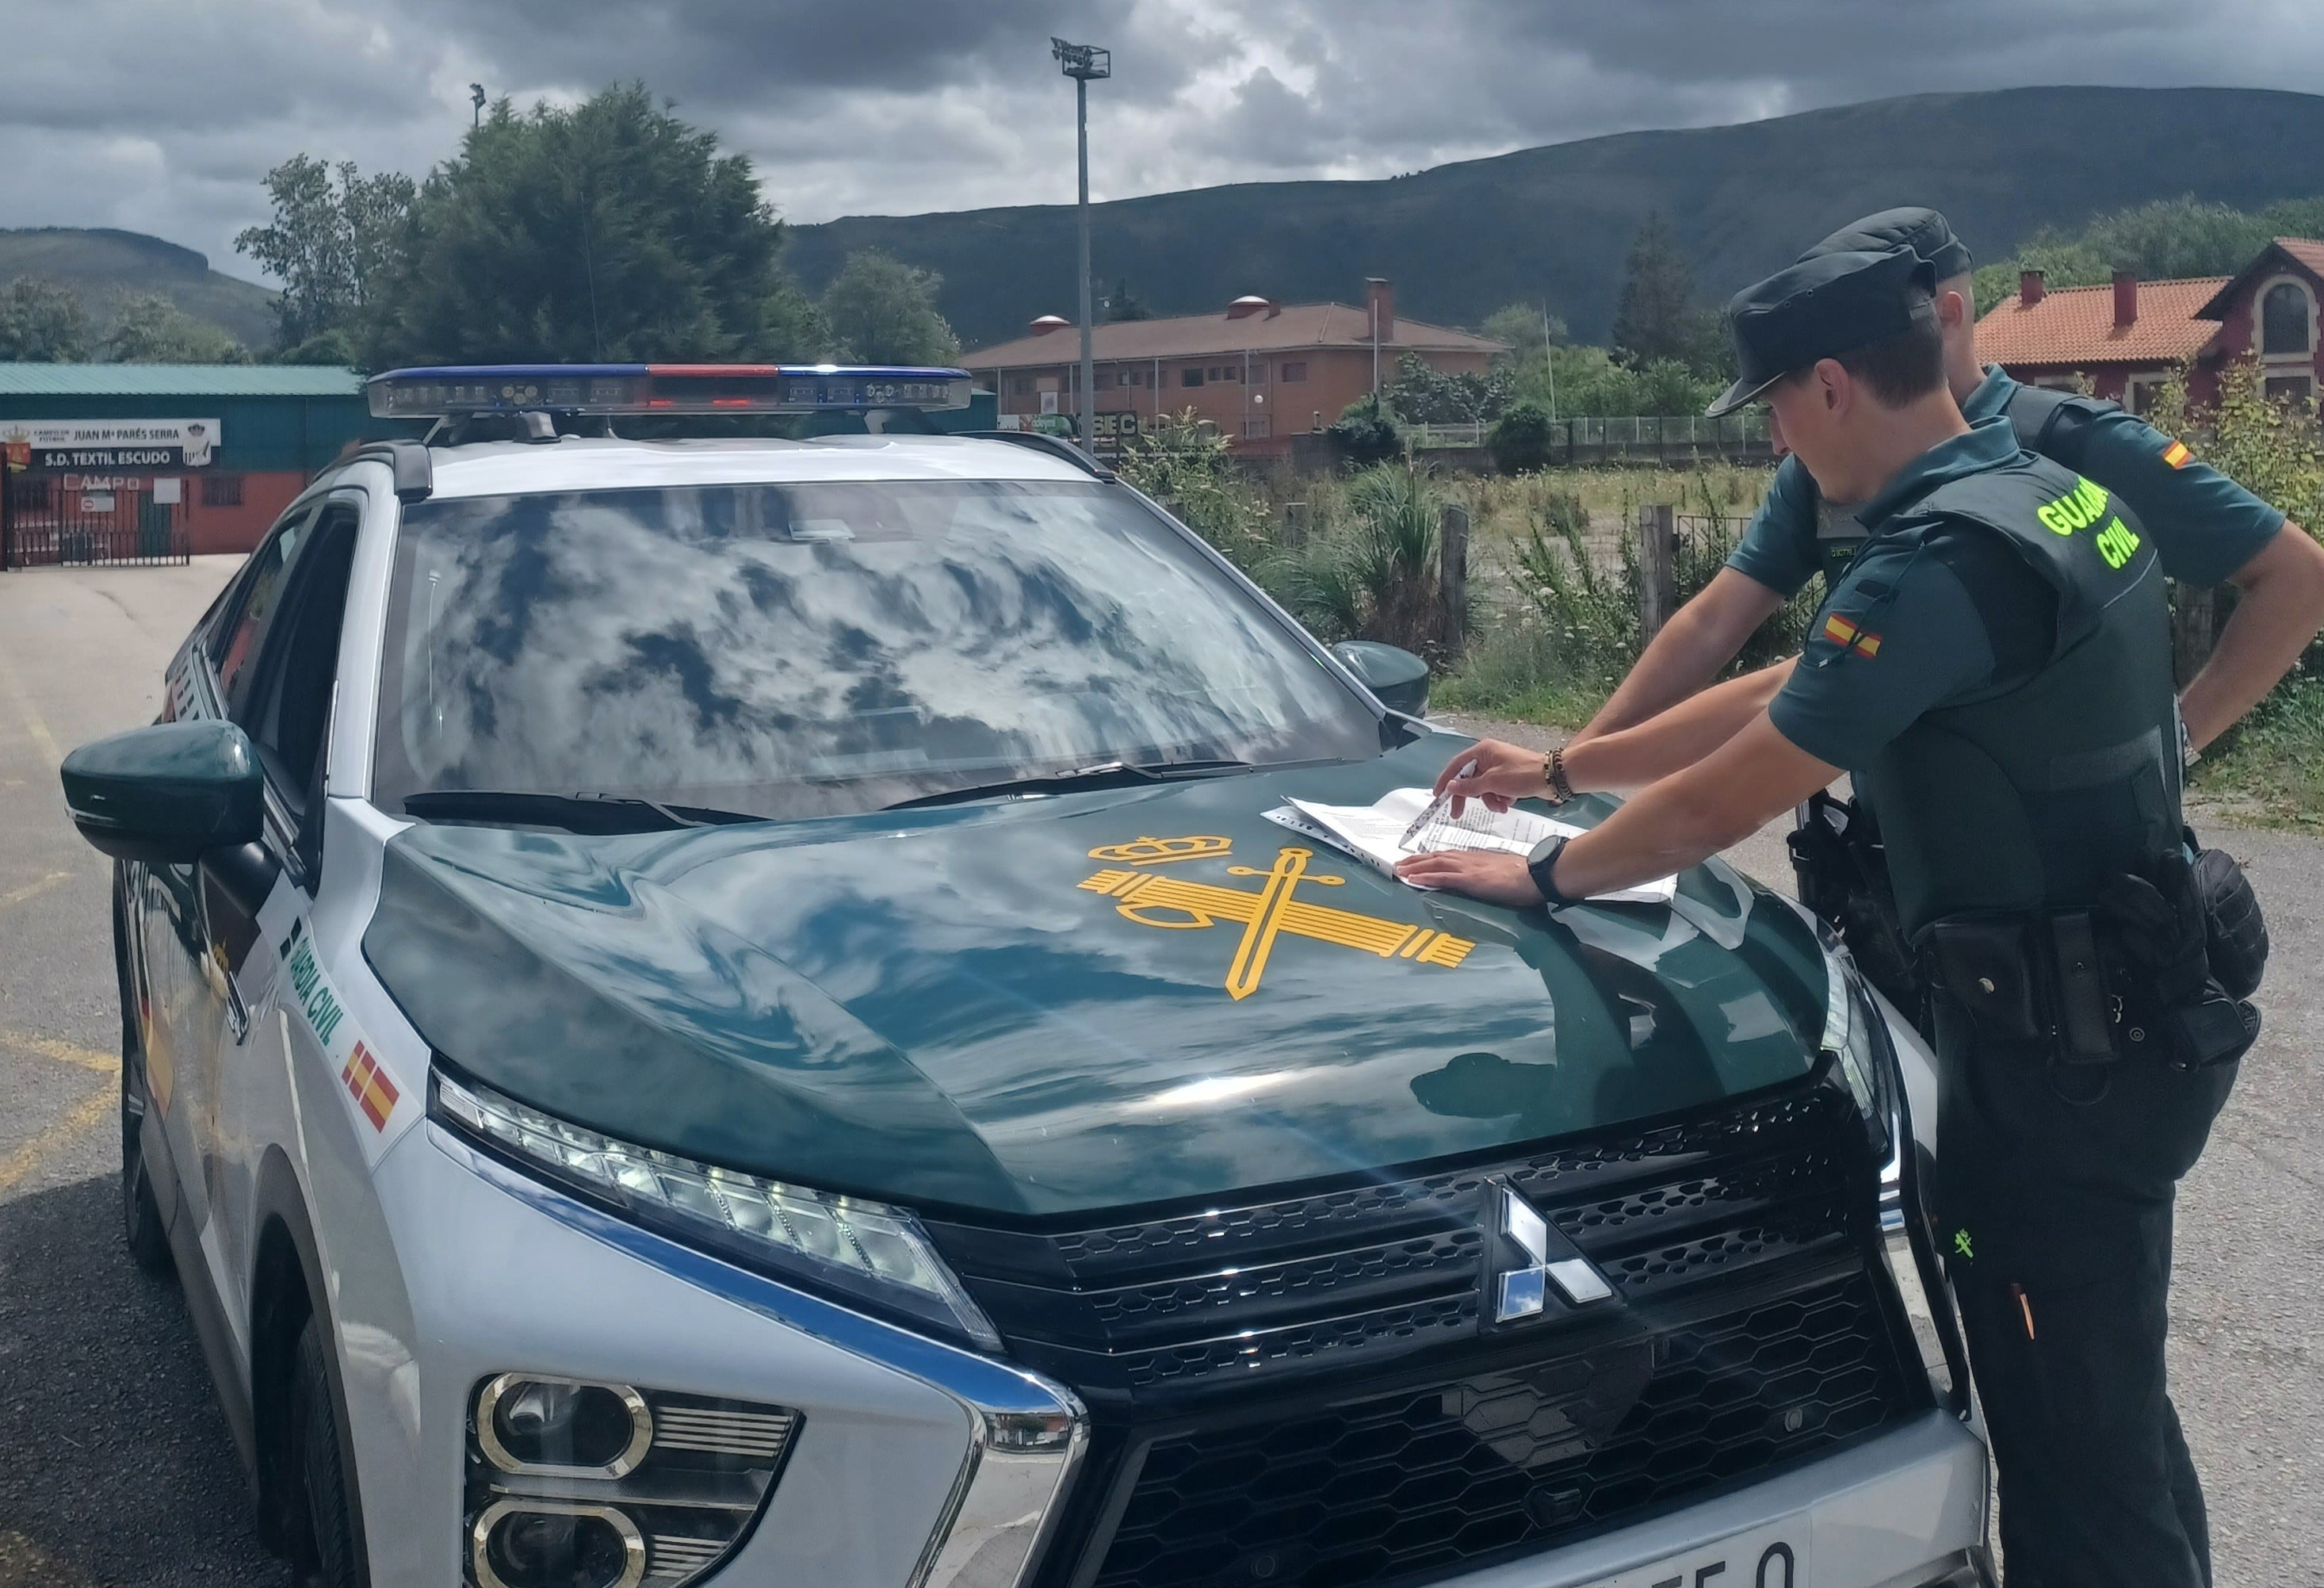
[[80, 1117], [87, 1059], [23, 1561], [42, 739], [32, 889]]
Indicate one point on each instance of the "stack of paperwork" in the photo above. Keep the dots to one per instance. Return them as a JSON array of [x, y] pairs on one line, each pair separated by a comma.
[[1372, 834]]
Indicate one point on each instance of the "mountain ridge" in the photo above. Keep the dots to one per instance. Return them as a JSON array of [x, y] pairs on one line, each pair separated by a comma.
[[107, 263], [1463, 238]]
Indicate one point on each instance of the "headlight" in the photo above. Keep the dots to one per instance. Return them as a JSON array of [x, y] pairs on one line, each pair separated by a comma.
[[1855, 1034], [870, 1252], [575, 1484]]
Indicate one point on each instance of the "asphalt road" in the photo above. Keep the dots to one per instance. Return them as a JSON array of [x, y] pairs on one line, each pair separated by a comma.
[[115, 1463]]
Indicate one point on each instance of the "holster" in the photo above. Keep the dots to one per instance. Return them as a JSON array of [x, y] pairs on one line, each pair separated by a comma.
[[1843, 873], [2036, 982], [2135, 974]]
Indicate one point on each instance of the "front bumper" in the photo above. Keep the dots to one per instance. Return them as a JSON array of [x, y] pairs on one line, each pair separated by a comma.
[[1901, 1511], [890, 1479]]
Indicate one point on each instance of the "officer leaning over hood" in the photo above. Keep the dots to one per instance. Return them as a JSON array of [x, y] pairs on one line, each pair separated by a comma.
[[1994, 669]]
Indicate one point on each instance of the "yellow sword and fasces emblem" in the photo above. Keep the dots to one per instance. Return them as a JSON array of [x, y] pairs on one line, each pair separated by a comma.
[[1265, 913]]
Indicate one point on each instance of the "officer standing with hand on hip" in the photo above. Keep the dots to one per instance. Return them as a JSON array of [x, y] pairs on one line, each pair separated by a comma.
[[1994, 668]]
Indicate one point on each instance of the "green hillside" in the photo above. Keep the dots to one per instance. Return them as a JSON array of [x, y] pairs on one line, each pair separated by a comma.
[[105, 266], [1461, 240]]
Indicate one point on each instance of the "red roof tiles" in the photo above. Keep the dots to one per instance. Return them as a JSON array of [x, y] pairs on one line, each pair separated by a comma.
[[2075, 326], [1194, 336]]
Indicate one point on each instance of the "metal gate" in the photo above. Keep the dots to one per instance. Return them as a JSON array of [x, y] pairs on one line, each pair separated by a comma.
[[43, 523]]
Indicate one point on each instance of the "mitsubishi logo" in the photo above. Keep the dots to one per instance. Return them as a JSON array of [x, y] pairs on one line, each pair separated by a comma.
[[1542, 1258]]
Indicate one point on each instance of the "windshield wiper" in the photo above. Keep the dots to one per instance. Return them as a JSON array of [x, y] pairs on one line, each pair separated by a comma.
[[1105, 774], [585, 812]]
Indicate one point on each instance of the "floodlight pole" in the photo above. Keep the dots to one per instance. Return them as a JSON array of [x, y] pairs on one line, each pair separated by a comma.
[[1081, 62]]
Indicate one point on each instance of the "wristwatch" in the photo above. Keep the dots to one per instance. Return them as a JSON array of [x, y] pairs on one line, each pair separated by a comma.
[[1540, 864]]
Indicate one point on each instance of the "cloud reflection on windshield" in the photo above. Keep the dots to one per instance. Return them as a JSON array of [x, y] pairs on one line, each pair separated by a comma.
[[798, 649]]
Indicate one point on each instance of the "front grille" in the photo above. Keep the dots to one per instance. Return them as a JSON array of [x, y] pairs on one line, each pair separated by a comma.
[[1305, 1390], [1426, 1481]]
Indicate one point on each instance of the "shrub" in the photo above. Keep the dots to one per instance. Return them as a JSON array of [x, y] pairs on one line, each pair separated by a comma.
[[1187, 466], [1372, 574], [1367, 433], [1589, 614], [1520, 440]]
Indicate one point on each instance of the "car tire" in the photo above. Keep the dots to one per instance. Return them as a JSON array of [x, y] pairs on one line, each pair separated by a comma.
[[141, 1209], [327, 1555]]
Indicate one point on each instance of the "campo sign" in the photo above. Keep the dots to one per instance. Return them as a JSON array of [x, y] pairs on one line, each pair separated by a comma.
[[115, 443]]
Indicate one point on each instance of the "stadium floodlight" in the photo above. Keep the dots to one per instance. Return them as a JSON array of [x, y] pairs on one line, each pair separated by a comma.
[[1083, 62]]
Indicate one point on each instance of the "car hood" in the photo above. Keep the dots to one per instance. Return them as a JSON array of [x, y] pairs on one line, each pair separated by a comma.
[[1053, 1005]]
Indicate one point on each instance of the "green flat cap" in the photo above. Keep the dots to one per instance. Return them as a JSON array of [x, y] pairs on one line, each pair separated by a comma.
[[1818, 308], [1928, 233]]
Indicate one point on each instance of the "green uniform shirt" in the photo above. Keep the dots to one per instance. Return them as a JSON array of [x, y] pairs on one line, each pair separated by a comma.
[[2205, 525], [1917, 622]]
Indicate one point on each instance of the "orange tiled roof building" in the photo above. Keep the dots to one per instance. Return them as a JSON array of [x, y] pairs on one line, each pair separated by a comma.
[[2124, 339]]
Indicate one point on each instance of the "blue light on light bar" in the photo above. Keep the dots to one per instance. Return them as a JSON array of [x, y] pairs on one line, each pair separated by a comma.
[[460, 391]]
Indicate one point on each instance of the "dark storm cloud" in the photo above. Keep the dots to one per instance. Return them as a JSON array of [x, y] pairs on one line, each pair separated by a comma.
[[162, 116]]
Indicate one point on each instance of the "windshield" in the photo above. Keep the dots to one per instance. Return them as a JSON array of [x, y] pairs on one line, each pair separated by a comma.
[[797, 650]]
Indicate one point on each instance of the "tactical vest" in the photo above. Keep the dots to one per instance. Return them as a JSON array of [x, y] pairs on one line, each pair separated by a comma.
[[2028, 799], [2048, 423]]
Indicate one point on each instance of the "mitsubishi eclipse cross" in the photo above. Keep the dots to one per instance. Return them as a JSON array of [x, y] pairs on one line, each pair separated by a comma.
[[720, 1010]]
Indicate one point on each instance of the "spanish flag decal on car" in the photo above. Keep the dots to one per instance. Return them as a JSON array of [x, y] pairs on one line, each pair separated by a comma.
[[2177, 455], [1848, 637], [374, 1094]]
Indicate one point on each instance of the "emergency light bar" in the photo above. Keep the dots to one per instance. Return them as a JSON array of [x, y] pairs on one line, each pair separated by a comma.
[[458, 391]]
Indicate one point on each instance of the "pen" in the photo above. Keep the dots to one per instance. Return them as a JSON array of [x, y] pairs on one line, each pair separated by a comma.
[[1436, 807]]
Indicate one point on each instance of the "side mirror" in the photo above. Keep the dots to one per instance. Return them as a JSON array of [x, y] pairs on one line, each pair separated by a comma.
[[1398, 678], [166, 794]]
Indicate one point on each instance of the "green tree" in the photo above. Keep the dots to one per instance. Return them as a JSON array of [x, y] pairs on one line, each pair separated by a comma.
[[1422, 394], [1655, 316], [1529, 330], [883, 310], [1123, 303], [334, 236], [610, 230], [43, 321], [1522, 438], [152, 329]]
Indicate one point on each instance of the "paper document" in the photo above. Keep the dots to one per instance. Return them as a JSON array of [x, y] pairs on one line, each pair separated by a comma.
[[1372, 834]]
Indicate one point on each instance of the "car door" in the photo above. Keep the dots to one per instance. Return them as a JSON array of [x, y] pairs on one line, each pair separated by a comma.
[[286, 710], [191, 1002]]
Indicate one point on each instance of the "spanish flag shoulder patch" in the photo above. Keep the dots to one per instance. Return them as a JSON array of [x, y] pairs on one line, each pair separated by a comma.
[[1848, 636], [2177, 455]]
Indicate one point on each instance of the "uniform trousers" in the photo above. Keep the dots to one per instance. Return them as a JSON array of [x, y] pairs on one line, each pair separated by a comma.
[[2054, 1191]]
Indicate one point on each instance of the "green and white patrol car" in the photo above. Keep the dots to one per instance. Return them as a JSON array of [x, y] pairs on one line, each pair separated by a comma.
[[730, 1010]]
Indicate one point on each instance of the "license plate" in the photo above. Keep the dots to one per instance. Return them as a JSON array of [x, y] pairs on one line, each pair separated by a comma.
[[1765, 1557]]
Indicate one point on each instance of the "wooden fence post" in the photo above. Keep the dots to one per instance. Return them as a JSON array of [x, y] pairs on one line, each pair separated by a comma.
[[1452, 573], [1657, 565], [2190, 639]]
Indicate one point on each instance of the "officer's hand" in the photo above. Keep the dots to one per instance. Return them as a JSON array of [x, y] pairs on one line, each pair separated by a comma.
[[1504, 772], [1480, 874]]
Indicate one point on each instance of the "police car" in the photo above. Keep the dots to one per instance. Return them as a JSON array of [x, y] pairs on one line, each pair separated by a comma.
[[727, 1009]]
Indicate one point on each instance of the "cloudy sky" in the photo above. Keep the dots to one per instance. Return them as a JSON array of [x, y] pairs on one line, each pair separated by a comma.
[[160, 115]]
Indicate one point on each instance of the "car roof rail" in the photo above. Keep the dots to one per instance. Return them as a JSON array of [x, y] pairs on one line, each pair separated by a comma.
[[408, 461], [1056, 446]]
